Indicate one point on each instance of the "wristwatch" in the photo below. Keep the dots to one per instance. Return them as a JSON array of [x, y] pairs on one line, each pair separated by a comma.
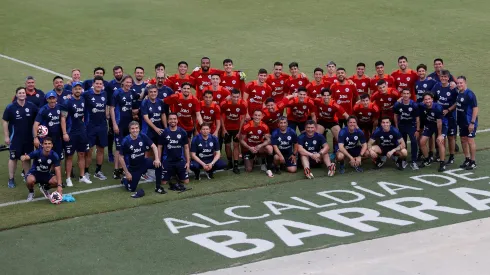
[[472, 122]]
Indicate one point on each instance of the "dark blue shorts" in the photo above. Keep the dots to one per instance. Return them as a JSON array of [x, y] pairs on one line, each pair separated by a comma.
[[18, 149], [137, 172], [78, 142], [294, 124], [386, 149], [452, 127], [430, 131], [219, 165], [287, 156], [174, 168], [41, 177], [97, 136], [463, 131], [354, 152]]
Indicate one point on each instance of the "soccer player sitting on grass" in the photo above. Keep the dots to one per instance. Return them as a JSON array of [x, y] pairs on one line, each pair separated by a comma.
[[313, 149], [133, 161], [255, 140], [390, 144], [352, 145], [41, 171], [205, 153], [285, 143]]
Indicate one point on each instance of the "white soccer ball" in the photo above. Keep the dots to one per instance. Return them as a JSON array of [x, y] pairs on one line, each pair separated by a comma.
[[42, 131], [56, 197]]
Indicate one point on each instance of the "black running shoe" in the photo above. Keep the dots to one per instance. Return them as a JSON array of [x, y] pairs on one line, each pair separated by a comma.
[[236, 170], [471, 166], [465, 164], [160, 190], [442, 166]]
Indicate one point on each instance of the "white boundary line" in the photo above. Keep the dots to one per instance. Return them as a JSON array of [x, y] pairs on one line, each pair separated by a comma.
[[34, 66]]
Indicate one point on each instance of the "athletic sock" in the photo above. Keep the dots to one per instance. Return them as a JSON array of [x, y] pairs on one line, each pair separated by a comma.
[[31, 190], [235, 163], [86, 169], [98, 167], [269, 161]]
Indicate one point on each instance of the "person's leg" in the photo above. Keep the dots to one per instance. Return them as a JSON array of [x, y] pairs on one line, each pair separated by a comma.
[[196, 169]]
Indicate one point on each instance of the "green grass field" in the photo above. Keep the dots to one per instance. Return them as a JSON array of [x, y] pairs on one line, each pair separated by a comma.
[[61, 35]]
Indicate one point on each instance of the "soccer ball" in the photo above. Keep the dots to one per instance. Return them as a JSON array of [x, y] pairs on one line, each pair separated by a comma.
[[42, 131], [56, 197]]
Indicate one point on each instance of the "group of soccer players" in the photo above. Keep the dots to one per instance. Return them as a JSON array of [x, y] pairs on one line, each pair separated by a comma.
[[162, 130]]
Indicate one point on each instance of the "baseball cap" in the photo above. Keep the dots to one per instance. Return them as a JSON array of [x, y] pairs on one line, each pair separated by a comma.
[[50, 94], [30, 78], [77, 83], [331, 63]]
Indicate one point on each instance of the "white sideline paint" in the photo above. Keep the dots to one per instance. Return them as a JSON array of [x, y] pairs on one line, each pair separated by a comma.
[[34, 66], [450, 250]]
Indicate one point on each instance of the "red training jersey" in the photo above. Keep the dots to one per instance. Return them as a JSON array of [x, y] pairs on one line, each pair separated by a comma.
[[330, 79], [362, 83], [405, 80], [366, 115], [257, 94], [293, 83], [231, 114], [185, 108], [299, 111], [345, 95], [254, 134], [210, 114], [374, 80], [314, 88], [328, 112], [203, 79], [233, 81], [176, 80], [219, 95], [278, 86], [386, 101], [271, 118]]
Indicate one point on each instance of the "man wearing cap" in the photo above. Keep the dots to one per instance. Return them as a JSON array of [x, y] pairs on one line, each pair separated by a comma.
[[33, 95], [49, 116], [18, 119], [74, 132], [330, 76], [58, 87]]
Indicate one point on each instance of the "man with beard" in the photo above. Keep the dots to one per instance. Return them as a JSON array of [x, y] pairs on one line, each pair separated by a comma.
[[163, 90], [360, 79], [423, 83], [187, 108], [438, 67], [159, 68], [202, 75], [232, 80], [277, 82], [18, 119], [34, 95], [273, 111], [233, 112], [88, 83], [344, 93], [256, 93], [139, 88], [175, 81], [74, 132], [285, 143], [328, 114], [404, 77], [114, 84], [61, 93], [97, 112], [296, 79], [315, 87], [313, 149], [380, 75]]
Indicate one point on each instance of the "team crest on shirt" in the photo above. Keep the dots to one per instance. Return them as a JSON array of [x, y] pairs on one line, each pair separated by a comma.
[[58, 112], [140, 143], [355, 137], [425, 85], [448, 93], [314, 142], [389, 99], [391, 136], [211, 111], [409, 109], [408, 78], [83, 104], [289, 137], [211, 144], [190, 104], [179, 136], [282, 82], [237, 109], [300, 82], [438, 92], [49, 161], [401, 110], [233, 81], [37, 95], [432, 114], [259, 132], [329, 109], [159, 108], [103, 98], [462, 99], [164, 94], [369, 113], [218, 96], [382, 137], [347, 89], [363, 84], [398, 78], [27, 110], [50, 124], [304, 106], [263, 92], [209, 76]]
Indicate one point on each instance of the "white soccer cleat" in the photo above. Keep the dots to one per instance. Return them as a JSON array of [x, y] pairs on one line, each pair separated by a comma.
[[269, 173], [99, 175], [30, 197], [308, 173], [331, 170], [85, 179], [69, 183]]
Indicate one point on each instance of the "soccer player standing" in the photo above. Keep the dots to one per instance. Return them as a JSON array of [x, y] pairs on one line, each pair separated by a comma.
[[344, 93], [407, 121], [187, 107], [202, 75], [211, 114], [435, 123], [41, 170], [233, 113], [389, 144], [360, 79], [285, 143], [352, 146], [380, 75], [154, 118], [176, 80], [33, 94], [404, 77], [174, 150], [277, 82], [296, 79], [313, 149], [87, 84], [134, 163], [438, 67], [330, 76], [423, 83], [255, 140], [61, 93], [467, 115], [19, 117], [256, 93], [113, 85], [96, 115], [220, 94], [205, 153], [315, 87], [232, 80], [49, 116], [75, 77], [138, 87], [74, 133]]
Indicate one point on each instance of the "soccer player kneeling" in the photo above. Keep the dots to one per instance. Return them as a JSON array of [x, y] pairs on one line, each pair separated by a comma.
[[205, 153], [40, 171], [390, 145], [133, 161], [255, 140], [285, 143], [352, 145], [313, 149]]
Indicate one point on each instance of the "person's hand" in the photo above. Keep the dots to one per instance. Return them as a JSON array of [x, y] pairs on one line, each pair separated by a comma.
[[316, 157], [66, 137], [471, 127], [281, 159], [128, 175], [196, 69], [417, 134], [440, 140], [444, 112], [224, 133], [159, 131], [116, 130], [247, 117], [7, 140], [390, 153], [60, 190], [216, 133], [353, 162], [208, 167], [452, 85], [293, 159], [253, 150], [243, 76], [157, 163], [23, 158], [36, 142]]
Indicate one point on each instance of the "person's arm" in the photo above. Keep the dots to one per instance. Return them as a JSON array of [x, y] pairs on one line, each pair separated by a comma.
[[277, 151], [363, 149], [113, 119], [59, 183], [302, 151], [122, 164], [222, 123], [370, 143], [160, 150], [439, 127], [344, 151], [217, 156], [156, 162], [313, 116], [267, 141], [395, 119], [218, 127], [64, 132], [6, 133], [197, 159], [243, 143], [187, 156], [199, 118], [152, 125], [324, 149]]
